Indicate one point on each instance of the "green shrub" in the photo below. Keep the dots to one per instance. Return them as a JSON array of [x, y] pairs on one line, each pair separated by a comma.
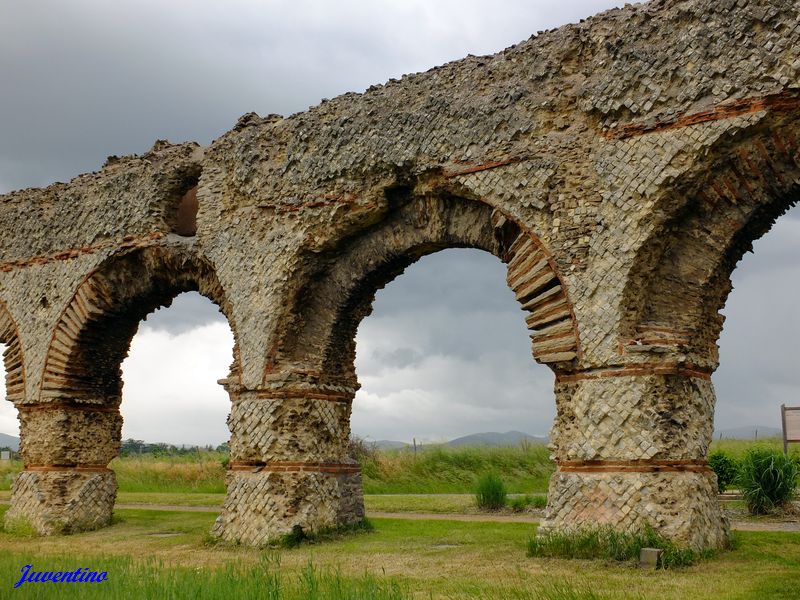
[[491, 493], [768, 480], [610, 544], [539, 501], [726, 468], [520, 503]]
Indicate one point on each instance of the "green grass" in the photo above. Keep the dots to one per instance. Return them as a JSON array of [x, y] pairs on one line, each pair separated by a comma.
[[738, 448], [491, 493], [9, 470], [150, 578], [196, 473], [434, 470], [172, 498], [419, 503], [608, 544], [520, 503], [159, 554], [442, 470], [767, 479], [437, 470], [446, 503]]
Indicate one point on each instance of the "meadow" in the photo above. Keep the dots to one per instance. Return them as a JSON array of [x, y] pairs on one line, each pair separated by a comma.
[[433, 470], [150, 554], [169, 554]]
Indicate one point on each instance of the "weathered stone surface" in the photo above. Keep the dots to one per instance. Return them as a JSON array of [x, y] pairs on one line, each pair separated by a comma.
[[680, 505], [63, 436], [63, 501], [633, 418], [620, 167], [294, 429], [262, 506]]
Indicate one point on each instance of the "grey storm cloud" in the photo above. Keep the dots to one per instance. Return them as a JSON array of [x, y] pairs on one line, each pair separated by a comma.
[[445, 351], [188, 311], [87, 78]]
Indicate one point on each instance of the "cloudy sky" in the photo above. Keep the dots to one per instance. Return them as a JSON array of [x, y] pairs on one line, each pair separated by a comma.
[[445, 352]]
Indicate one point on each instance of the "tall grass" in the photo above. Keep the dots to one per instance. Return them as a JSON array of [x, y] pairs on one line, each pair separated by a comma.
[[610, 544], [768, 479], [152, 579], [432, 470], [738, 448], [9, 470], [491, 493], [440, 470], [201, 473]]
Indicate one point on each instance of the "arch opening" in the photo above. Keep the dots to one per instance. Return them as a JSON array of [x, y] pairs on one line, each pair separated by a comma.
[[315, 358], [12, 393], [95, 331], [443, 354], [176, 358], [70, 435], [757, 371]]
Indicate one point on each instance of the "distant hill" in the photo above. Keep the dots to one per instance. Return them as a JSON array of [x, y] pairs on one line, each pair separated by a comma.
[[487, 438], [390, 444], [492, 438], [9, 441], [748, 432]]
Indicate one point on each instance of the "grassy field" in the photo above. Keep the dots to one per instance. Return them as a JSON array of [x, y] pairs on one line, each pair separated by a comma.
[[441, 503], [163, 554], [737, 448], [196, 473], [442, 470], [8, 469], [150, 554], [435, 470]]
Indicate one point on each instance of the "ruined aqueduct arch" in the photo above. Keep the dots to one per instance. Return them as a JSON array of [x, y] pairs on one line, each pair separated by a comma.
[[620, 166]]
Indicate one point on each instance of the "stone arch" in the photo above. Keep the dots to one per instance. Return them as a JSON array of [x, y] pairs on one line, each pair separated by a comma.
[[94, 331], [681, 279], [340, 291], [13, 358], [71, 434]]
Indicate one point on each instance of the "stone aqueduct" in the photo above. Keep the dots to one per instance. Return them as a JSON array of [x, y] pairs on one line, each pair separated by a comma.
[[620, 167]]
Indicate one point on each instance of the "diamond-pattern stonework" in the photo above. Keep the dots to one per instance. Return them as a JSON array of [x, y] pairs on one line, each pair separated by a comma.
[[632, 418], [620, 167], [683, 506], [261, 506], [63, 501], [289, 429]]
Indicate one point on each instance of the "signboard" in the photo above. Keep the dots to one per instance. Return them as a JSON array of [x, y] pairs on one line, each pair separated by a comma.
[[5, 455], [790, 417]]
